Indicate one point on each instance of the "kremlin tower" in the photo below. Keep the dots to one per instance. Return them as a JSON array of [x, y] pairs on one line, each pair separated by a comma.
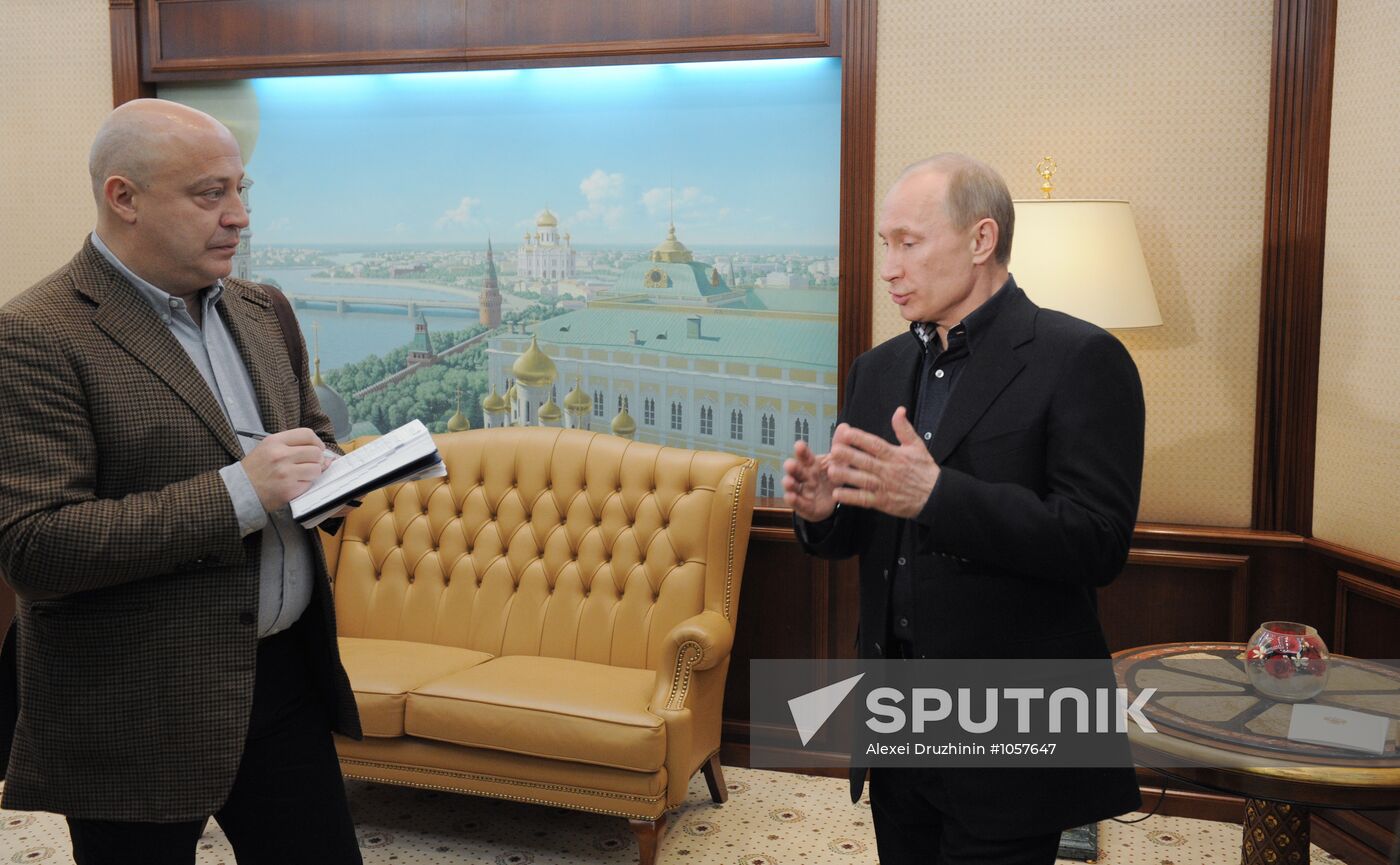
[[490, 305]]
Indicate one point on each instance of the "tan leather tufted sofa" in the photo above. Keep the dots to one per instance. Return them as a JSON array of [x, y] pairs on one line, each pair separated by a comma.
[[550, 623]]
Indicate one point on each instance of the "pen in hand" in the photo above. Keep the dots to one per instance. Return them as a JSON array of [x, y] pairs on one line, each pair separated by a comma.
[[259, 436]]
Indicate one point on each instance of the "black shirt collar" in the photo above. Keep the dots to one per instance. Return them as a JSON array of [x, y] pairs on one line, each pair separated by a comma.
[[977, 322]]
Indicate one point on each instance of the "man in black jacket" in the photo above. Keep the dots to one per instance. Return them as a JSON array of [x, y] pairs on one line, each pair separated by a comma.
[[986, 471]]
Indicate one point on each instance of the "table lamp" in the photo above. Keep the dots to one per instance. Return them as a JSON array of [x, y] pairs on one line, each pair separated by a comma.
[[1082, 257]]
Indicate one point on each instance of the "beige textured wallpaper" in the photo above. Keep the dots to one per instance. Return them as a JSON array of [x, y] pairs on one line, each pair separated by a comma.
[[1162, 103], [1357, 488], [55, 60]]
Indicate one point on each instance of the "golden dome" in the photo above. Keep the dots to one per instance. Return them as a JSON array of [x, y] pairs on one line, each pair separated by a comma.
[[534, 368], [623, 425], [494, 403], [458, 422], [549, 412], [511, 394], [576, 401], [671, 249], [547, 219]]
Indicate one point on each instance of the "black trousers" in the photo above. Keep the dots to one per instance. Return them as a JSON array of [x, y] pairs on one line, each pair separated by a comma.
[[913, 826], [288, 799]]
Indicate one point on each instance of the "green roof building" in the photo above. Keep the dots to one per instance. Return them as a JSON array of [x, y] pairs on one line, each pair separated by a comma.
[[690, 361]]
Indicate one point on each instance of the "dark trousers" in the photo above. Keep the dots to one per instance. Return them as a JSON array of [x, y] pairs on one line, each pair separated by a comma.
[[913, 826], [288, 798]]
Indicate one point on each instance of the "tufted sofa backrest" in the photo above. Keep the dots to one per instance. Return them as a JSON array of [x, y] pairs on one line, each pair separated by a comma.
[[551, 542]]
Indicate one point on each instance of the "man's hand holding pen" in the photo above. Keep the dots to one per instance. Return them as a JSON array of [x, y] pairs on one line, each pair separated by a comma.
[[284, 464]]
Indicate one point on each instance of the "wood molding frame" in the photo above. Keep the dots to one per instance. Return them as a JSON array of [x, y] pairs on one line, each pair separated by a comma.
[[1352, 838], [185, 40], [1384, 568], [857, 245], [1235, 568], [126, 55], [1349, 585], [1290, 308]]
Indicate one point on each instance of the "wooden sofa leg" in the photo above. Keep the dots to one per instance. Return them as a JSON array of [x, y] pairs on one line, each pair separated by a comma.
[[649, 834], [714, 776]]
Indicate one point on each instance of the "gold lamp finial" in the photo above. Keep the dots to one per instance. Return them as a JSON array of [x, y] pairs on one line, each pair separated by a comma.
[[1046, 169]]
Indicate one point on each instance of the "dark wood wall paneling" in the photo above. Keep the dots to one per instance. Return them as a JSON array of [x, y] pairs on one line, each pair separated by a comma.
[[185, 36], [1290, 309], [792, 606], [1366, 620], [857, 253], [1163, 594], [127, 82], [194, 39], [1181, 583], [1367, 616]]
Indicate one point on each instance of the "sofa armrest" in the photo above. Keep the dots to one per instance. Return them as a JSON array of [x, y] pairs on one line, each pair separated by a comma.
[[698, 643]]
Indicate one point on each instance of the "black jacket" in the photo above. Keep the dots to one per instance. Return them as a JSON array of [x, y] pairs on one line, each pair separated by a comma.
[[1041, 449]]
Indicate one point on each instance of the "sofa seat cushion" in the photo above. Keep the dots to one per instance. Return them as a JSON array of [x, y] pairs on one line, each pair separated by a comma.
[[382, 672], [545, 707]]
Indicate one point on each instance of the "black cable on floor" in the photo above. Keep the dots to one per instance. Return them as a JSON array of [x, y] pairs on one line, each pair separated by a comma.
[[1160, 797]]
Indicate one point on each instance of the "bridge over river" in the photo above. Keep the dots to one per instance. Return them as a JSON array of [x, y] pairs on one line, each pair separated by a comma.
[[355, 303]]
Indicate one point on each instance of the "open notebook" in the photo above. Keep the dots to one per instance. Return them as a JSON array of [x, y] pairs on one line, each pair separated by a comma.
[[405, 454]]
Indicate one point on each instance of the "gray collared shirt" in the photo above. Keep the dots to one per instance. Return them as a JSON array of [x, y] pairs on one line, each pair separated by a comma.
[[287, 569]]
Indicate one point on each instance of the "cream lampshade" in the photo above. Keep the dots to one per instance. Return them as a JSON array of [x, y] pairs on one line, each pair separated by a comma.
[[1082, 257]]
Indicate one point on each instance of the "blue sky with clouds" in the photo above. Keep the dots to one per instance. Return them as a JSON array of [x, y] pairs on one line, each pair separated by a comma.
[[751, 150]]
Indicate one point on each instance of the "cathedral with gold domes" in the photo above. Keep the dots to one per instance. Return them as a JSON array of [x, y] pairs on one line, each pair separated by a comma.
[[529, 400], [545, 256]]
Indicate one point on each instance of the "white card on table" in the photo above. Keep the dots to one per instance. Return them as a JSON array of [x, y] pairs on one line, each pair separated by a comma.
[[1341, 728]]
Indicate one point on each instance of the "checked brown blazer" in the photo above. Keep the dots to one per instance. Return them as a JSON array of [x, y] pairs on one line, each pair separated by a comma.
[[137, 600]]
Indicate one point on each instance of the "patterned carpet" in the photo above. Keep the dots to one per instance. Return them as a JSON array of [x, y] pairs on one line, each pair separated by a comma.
[[772, 818]]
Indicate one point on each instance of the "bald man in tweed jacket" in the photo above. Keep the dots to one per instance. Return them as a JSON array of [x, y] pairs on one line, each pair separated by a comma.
[[138, 626]]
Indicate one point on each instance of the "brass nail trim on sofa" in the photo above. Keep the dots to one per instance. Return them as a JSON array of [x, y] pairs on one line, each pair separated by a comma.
[[733, 528], [688, 655]]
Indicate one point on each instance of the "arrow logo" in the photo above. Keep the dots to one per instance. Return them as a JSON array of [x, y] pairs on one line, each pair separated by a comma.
[[811, 710]]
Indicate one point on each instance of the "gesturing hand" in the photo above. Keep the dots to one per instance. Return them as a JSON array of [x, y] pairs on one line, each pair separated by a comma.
[[872, 473], [283, 465], [806, 487]]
